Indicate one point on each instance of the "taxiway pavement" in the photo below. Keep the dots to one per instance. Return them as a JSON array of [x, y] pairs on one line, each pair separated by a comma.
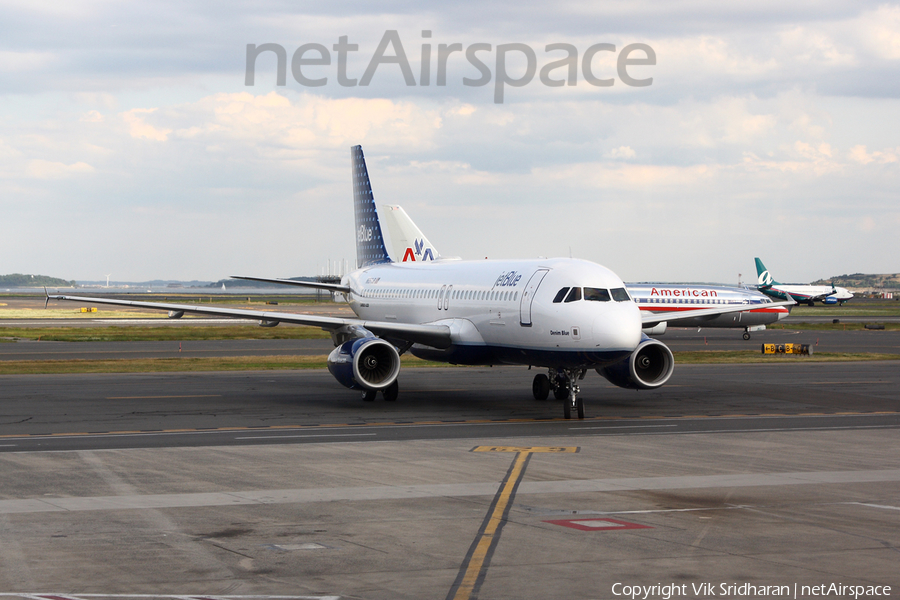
[[286, 484]]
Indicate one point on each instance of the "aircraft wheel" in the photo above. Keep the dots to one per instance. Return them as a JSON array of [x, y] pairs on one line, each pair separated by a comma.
[[540, 387], [390, 392], [746, 335], [580, 408], [567, 409], [369, 395], [561, 392]]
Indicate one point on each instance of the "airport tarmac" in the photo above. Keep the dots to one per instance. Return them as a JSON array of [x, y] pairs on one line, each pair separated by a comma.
[[284, 484], [791, 500]]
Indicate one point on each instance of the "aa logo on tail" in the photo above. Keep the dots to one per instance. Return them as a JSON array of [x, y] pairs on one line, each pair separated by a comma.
[[765, 278], [409, 255]]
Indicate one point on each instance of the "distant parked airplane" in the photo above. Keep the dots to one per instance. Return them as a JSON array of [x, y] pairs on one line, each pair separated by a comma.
[[802, 293]]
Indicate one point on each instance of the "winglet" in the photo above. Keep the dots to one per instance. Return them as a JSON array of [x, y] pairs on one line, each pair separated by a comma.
[[47, 301], [791, 300]]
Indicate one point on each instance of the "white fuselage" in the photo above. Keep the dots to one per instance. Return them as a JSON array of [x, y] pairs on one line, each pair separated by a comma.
[[672, 297], [804, 293], [504, 311]]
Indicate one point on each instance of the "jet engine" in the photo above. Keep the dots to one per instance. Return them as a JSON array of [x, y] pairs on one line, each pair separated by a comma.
[[368, 363], [648, 367]]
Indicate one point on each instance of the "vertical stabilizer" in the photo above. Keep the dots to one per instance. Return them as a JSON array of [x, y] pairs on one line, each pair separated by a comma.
[[763, 277], [369, 241], [407, 242]]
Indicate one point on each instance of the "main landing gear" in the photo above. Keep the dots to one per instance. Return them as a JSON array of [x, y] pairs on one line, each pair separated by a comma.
[[390, 393], [564, 386], [746, 333]]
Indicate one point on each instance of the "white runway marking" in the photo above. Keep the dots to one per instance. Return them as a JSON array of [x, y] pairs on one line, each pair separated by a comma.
[[363, 494]]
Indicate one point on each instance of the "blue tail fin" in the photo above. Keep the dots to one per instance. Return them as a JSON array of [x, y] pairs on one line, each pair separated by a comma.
[[369, 241]]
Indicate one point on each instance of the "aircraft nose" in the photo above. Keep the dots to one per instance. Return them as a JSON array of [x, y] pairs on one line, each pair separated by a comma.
[[618, 327], [784, 313]]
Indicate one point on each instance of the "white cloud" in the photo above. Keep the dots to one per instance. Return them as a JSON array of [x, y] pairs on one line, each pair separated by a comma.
[[140, 129], [45, 169], [621, 152], [859, 154]]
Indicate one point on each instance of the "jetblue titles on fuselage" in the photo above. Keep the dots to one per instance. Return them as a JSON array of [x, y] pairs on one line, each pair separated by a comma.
[[508, 279]]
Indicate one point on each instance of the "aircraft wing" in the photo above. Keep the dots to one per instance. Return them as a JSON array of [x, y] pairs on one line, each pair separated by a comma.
[[437, 336], [672, 316], [331, 287]]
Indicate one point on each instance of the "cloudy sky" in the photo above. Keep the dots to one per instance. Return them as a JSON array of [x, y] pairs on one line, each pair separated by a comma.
[[130, 143]]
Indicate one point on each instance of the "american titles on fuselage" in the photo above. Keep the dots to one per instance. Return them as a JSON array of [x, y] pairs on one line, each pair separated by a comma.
[[684, 293]]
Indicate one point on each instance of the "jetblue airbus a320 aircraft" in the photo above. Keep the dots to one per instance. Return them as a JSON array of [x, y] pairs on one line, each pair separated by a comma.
[[564, 314]]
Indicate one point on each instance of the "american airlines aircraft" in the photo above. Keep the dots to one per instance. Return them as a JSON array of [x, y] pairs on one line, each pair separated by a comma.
[[564, 314], [654, 298], [808, 294]]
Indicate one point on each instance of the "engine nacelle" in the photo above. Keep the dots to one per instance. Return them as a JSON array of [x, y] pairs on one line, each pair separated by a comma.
[[368, 363], [648, 367]]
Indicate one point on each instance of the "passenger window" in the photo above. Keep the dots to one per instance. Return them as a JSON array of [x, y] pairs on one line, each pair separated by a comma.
[[596, 294], [574, 295], [560, 295], [620, 295]]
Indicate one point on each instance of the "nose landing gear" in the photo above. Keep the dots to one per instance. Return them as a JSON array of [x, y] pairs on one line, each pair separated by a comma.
[[564, 386]]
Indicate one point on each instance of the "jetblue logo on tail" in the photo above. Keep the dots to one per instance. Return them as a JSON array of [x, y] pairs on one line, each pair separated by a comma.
[[369, 243], [421, 251], [364, 234]]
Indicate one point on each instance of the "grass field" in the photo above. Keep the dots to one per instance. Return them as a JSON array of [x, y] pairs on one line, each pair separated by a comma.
[[830, 326], [150, 333], [862, 308], [172, 365]]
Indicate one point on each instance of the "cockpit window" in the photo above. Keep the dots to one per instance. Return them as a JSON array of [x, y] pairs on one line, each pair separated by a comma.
[[574, 295], [560, 295], [596, 294], [620, 295]]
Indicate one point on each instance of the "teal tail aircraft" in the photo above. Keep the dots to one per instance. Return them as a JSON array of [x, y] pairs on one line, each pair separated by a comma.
[[802, 293]]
